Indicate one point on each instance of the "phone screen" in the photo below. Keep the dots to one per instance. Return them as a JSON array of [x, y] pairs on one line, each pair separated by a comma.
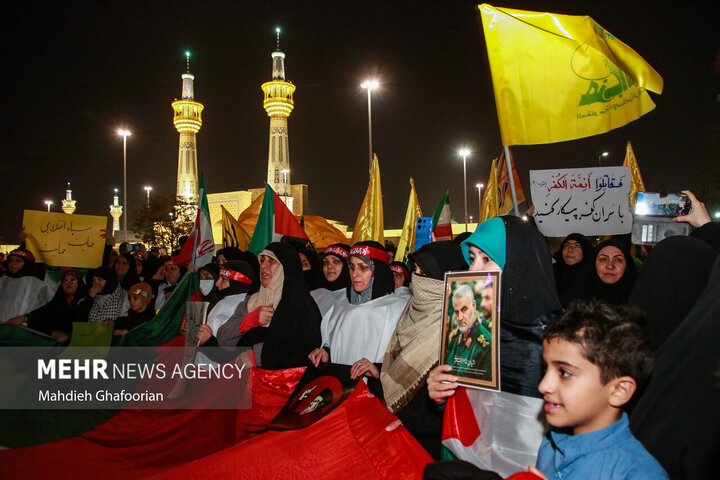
[[655, 205]]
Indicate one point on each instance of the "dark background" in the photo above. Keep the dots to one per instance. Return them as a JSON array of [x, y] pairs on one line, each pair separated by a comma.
[[76, 72]]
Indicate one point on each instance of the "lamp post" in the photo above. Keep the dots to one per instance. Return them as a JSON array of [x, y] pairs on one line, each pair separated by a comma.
[[464, 152], [601, 156], [480, 187], [48, 203], [370, 85], [147, 188], [125, 133]]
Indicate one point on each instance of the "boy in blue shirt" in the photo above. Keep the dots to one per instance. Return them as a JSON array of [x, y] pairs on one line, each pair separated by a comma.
[[596, 358]]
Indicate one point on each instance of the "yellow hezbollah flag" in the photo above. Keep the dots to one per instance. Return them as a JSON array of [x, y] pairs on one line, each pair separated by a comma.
[[234, 235], [490, 197], [562, 77], [636, 182], [406, 244], [369, 224], [505, 200]]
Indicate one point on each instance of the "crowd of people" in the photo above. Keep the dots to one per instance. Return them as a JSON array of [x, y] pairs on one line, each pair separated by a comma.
[[567, 330]]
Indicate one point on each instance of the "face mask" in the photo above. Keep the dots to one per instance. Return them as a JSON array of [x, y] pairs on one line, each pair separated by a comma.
[[206, 286]]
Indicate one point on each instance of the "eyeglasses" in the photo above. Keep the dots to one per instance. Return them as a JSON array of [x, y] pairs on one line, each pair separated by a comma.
[[69, 280]]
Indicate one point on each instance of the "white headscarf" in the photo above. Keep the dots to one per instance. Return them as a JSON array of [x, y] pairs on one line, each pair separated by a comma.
[[273, 292]]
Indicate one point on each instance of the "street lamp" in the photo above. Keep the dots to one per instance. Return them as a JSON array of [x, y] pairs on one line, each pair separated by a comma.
[[480, 187], [147, 188], [370, 85], [464, 152], [48, 203], [125, 133], [600, 157]]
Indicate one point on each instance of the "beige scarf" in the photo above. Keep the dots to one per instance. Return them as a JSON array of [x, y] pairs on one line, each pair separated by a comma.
[[271, 294], [414, 348]]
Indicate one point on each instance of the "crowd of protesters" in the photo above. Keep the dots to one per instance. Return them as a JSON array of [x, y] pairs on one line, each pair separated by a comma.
[[353, 305]]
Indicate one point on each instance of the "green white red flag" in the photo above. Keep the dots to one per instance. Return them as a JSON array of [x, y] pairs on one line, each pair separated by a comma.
[[274, 222]]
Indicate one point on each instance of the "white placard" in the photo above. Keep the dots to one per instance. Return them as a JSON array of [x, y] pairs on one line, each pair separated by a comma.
[[591, 201]]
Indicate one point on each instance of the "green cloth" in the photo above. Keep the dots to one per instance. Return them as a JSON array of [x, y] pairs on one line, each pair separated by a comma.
[[164, 326], [20, 337], [489, 237]]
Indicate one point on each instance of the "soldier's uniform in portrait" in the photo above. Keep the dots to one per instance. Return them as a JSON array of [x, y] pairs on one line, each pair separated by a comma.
[[471, 355]]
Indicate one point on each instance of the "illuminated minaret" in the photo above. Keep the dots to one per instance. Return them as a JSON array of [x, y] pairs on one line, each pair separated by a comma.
[[68, 205], [116, 212], [188, 120], [278, 104]]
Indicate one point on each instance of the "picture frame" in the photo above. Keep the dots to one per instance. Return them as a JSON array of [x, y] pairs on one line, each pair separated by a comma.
[[471, 326]]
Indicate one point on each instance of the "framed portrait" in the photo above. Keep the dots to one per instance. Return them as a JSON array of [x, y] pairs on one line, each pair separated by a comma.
[[469, 341]]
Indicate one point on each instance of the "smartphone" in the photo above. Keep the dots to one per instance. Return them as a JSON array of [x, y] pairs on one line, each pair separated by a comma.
[[659, 205], [135, 247], [423, 231]]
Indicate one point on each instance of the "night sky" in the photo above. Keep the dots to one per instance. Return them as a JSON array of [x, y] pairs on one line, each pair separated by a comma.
[[75, 73]]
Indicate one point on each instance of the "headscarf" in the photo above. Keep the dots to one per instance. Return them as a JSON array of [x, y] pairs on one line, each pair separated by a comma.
[[131, 277], [436, 258], [571, 280], [240, 274], [252, 260], [677, 417], [294, 330], [489, 237], [28, 268], [673, 277], [401, 268], [412, 350], [314, 276], [529, 299], [79, 294], [107, 274], [382, 283], [230, 253], [617, 293], [270, 294], [213, 297], [341, 251]]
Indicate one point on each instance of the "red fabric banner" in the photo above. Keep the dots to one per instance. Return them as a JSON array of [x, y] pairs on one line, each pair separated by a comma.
[[141, 443]]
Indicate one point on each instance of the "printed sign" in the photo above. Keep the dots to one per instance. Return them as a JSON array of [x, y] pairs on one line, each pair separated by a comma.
[[591, 201], [62, 240]]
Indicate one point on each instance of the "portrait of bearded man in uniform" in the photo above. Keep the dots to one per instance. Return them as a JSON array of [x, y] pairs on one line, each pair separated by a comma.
[[470, 342]]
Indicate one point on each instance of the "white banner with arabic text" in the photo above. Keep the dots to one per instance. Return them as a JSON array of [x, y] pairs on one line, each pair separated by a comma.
[[591, 201]]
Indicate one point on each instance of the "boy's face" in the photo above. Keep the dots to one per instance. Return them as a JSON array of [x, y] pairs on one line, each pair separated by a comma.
[[137, 303], [573, 392]]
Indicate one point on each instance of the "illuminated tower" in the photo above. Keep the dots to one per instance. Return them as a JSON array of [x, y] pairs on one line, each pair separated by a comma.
[[278, 104], [116, 212], [68, 205], [188, 120]]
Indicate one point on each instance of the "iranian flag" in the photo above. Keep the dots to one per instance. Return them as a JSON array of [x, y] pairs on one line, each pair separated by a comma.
[[274, 222], [498, 431], [200, 247], [441, 220]]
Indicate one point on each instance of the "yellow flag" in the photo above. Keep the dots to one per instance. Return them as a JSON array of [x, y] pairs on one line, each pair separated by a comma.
[[505, 200], [369, 224], [562, 77], [636, 182], [234, 235], [406, 244], [490, 200]]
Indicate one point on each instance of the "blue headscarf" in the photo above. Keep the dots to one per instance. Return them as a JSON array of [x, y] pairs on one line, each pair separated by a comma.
[[489, 237]]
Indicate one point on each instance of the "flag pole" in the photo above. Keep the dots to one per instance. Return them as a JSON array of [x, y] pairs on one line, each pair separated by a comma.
[[511, 174], [197, 225]]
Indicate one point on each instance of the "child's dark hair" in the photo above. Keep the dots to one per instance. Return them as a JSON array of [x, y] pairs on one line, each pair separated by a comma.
[[610, 336]]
